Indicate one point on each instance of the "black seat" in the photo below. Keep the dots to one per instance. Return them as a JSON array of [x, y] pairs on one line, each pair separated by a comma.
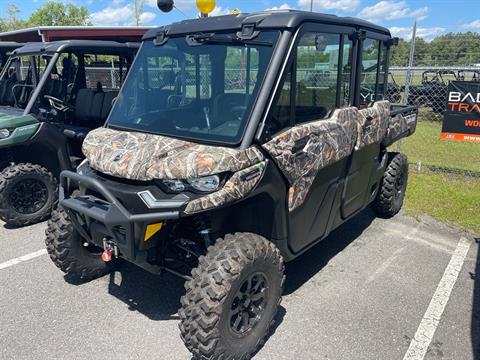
[[83, 105], [107, 104], [223, 106]]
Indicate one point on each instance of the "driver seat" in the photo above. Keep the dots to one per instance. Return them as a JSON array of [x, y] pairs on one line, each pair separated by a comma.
[[223, 105]]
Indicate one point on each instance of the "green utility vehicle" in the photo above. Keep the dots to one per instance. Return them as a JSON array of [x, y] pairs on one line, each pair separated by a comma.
[[223, 158], [6, 47], [51, 95]]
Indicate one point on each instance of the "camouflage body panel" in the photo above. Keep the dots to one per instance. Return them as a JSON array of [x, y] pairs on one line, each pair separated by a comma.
[[319, 144], [399, 125], [140, 156], [237, 187], [374, 130]]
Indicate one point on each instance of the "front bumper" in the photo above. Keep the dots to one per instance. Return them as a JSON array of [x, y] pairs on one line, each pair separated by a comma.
[[100, 215]]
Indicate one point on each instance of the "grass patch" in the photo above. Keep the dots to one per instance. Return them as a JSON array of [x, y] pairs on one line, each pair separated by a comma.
[[454, 201], [425, 146]]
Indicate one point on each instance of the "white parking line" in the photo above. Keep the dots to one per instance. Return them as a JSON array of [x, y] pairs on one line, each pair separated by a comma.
[[23, 258], [424, 335]]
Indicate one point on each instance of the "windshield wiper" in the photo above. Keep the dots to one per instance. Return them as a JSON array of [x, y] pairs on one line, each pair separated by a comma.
[[211, 38]]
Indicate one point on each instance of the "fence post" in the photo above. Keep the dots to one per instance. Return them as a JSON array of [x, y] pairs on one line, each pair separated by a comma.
[[112, 75], [408, 79]]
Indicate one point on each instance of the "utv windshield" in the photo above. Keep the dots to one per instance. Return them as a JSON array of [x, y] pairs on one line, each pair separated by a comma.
[[201, 87]]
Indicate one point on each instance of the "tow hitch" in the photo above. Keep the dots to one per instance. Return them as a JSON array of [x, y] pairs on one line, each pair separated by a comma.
[[109, 249]]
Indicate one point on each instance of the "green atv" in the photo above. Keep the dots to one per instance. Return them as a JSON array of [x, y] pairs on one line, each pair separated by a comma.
[[51, 96], [222, 159]]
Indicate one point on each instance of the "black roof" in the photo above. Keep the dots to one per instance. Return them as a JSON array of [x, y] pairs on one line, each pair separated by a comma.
[[278, 19], [10, 45], [65, 45]]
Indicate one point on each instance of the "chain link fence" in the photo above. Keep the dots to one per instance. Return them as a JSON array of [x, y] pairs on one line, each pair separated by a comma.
[[427, 88]]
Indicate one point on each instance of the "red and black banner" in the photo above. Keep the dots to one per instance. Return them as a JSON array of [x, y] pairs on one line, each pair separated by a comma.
[[461, 121]]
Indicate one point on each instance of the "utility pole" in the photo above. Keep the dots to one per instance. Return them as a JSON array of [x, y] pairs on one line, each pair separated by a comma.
[[311, 5]]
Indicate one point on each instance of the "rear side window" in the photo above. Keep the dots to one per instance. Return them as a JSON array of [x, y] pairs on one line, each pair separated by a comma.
[[370, 67], [316, 76], [105, 72]]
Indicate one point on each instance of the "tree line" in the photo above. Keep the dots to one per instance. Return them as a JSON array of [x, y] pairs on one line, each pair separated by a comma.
[[452, 49], [52, 13]]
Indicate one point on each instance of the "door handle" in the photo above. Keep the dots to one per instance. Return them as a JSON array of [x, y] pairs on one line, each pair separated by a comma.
[[300, 144]]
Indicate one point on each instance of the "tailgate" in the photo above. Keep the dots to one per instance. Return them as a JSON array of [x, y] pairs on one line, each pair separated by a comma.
[[402, 123]]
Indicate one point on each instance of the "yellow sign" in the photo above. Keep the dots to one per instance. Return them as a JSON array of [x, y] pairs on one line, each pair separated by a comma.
[[205, 6], [235, 12], [152, 229]]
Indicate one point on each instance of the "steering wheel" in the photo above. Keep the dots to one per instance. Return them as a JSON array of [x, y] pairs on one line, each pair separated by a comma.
[[57, 104]]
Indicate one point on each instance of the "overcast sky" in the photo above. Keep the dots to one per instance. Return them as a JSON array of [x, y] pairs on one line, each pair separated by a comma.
[[434, 17]]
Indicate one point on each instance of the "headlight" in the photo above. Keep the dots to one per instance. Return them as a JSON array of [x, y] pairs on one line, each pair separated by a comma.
[[84, 167], [174, 185], [4, 133], [206, 183]]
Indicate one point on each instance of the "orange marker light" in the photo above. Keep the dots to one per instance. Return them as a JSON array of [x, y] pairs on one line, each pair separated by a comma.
[[107, 255]]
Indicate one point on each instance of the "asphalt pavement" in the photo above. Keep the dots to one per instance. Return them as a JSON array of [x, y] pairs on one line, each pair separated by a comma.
[[374, 289]]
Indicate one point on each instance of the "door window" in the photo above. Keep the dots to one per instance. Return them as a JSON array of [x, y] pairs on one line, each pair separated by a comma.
[[370, 66], [316, 76]]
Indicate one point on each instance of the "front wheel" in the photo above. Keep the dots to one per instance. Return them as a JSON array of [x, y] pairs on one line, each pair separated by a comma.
[[232, 298], [28, 194], [70, 253], [389, 200]]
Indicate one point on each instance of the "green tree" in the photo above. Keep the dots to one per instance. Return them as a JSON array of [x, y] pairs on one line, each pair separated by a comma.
[[400, 53], [59, 14], [11, 21]]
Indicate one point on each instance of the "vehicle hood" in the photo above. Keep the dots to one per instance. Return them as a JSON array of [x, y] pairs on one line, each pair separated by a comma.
[[14, 119], [140, 156]]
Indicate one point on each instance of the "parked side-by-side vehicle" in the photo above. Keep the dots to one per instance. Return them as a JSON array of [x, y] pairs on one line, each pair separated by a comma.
[[223, 158], [51, 95]]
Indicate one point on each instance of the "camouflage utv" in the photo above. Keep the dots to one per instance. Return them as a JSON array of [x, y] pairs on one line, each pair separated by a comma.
[[219, 162]]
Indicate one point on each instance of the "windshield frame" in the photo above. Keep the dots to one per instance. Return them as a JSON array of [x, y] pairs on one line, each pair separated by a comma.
[[196, 137]]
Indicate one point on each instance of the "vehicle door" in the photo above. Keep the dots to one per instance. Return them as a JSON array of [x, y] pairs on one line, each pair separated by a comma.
[[365, 165], [312, 130]]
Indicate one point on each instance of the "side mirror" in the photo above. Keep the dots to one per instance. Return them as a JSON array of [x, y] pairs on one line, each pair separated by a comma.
[[165, 5]]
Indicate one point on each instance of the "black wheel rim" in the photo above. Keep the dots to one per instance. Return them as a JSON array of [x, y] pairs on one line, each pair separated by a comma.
[[28, 196], [249, 304]]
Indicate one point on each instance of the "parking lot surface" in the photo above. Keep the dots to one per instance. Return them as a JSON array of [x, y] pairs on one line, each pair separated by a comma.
[[372, 290]]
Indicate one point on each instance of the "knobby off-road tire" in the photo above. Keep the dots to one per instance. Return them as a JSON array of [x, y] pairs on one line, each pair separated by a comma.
[[68, 251], [28, 194], [213, 301], [391, 194]]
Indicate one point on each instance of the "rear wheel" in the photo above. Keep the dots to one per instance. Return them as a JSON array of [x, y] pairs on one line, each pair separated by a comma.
[[28, 194], [232, 298], [390, 197], [70, 253]]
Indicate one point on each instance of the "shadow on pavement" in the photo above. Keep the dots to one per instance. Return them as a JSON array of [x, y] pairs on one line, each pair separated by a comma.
[[475, 330], [158, 297], [311, 262]]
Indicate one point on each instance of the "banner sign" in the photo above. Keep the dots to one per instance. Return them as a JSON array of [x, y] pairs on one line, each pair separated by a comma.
[[461, 121]]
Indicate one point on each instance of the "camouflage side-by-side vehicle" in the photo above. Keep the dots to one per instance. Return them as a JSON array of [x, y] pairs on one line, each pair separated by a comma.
[[221, 185], [51, 95]]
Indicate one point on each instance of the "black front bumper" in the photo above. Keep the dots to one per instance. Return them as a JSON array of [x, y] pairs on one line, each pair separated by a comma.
[[103, 216]]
